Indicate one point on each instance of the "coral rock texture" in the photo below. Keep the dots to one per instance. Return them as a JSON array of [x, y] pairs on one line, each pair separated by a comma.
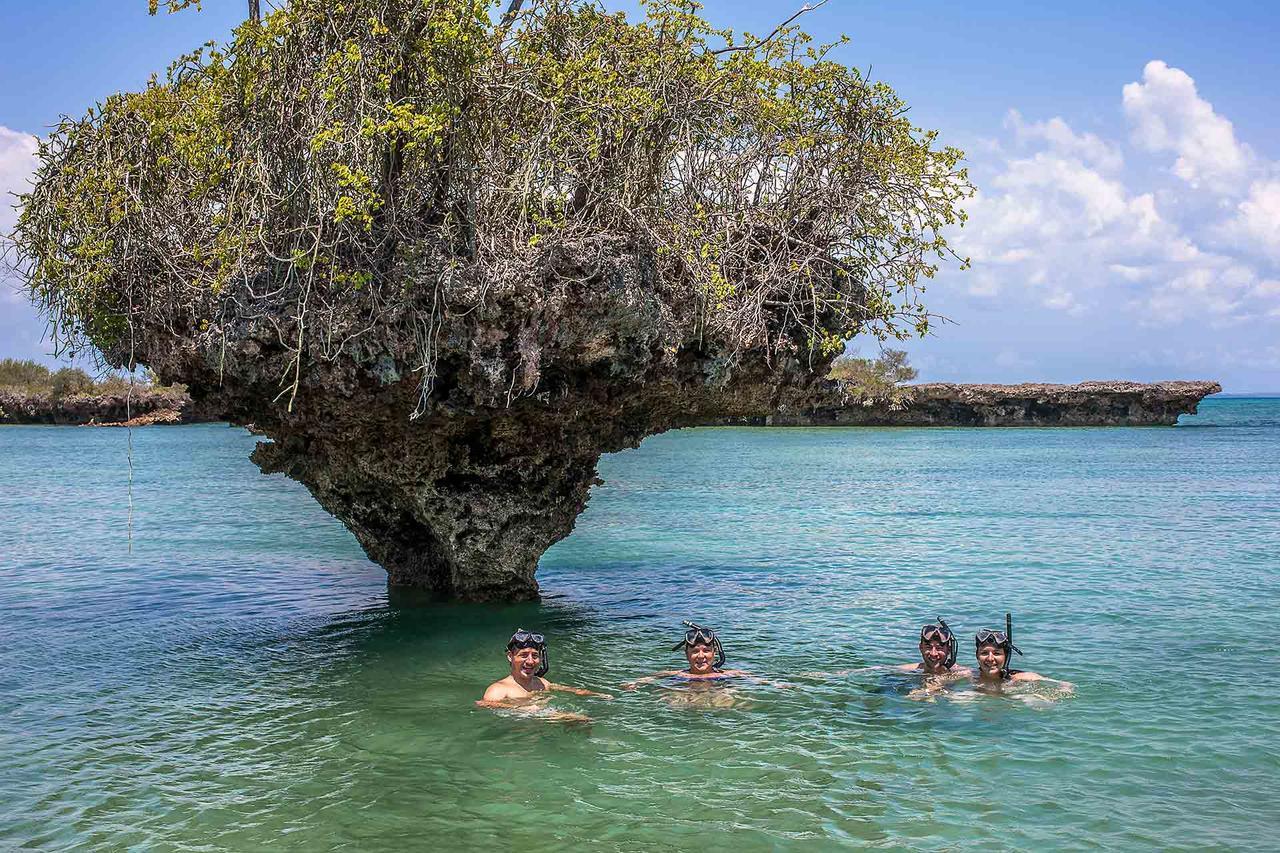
[[465, 498]]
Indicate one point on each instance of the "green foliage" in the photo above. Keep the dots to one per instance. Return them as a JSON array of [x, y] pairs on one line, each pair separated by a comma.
[[384, 151], [153, 6], [34, 379], [877, 380], [70, 380], [16, 373]]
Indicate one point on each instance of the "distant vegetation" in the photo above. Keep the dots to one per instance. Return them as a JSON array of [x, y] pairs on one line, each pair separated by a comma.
[[879, 380], [34, 379]]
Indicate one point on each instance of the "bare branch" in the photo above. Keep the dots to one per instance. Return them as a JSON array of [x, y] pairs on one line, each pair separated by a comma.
[[756, 45]]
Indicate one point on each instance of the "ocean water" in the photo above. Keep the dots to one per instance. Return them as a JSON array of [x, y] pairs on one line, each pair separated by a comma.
[[240, 678]]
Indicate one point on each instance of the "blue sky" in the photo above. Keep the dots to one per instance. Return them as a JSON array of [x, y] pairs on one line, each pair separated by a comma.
[[1127, 156]]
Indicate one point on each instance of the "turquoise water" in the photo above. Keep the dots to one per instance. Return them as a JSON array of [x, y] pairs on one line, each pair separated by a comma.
[[241, 680]]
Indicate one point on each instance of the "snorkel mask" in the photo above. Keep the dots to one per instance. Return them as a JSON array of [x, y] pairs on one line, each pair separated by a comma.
[[940, 632], [699, 636], [523, 639], [999, 639]]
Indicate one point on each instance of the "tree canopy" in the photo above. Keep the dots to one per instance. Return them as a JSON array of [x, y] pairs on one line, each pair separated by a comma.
[[876, 380], [420, 151]]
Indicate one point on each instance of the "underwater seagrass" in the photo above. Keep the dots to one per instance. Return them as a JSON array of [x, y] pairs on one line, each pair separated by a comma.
[[444, 261]]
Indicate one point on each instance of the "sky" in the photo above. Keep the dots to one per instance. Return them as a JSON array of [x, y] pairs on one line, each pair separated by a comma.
[[1127, 157]]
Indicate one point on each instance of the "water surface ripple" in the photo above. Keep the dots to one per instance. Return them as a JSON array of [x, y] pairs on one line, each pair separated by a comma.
[[241, 679]]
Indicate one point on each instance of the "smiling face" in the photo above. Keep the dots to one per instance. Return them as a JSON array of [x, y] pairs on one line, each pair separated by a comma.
[[524, 663], [934, 655], [991, 660], [701, 657]]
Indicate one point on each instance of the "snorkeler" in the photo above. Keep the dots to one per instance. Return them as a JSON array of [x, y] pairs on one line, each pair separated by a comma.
[[527, 655], [994, 649], [938, 649], [705, 655]]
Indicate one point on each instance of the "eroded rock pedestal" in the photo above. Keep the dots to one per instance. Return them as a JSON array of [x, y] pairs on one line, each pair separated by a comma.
[[531, 386]]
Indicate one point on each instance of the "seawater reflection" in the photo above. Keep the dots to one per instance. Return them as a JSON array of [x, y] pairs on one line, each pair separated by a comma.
[[241, 679]]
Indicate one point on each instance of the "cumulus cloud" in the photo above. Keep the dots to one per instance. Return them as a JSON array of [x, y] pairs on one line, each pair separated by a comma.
[[1168, 115], [1053, 223], [1256, 223], [1064, 224], [1087, 147], [17, 162]]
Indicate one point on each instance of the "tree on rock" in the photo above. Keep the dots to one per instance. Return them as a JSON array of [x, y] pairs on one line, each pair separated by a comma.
[[867, 381], [444, 262]]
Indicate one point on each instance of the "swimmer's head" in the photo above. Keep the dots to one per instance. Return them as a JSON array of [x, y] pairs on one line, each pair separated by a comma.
[[702, 649], [993, 649], [938, 646], [527, 654]]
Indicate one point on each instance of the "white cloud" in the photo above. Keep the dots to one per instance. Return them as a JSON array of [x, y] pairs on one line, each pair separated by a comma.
[[1131, 273], [1087, 147], [1168, 114], [1256, 225], [1064, 300], [17, 162], [1050, 217], [1216, 290], [1064, 224]]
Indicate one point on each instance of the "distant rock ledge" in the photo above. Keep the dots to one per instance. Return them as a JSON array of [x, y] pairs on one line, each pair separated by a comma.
[[144, 407], [1029, 404], [934, 404]]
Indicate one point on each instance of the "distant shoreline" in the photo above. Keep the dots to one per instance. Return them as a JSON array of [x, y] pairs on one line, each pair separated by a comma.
[[835, 404], [143, 406], [938, 404]]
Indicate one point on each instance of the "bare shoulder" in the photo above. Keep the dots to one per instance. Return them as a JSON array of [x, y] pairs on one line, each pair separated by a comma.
[[1026, 676], [498, 691], [908, 667]]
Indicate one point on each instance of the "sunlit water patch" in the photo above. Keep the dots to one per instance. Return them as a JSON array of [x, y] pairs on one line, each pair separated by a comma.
[[239, 678]]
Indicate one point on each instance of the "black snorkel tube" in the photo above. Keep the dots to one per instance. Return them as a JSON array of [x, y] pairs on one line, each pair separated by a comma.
[[696, 635], [523, 639]]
